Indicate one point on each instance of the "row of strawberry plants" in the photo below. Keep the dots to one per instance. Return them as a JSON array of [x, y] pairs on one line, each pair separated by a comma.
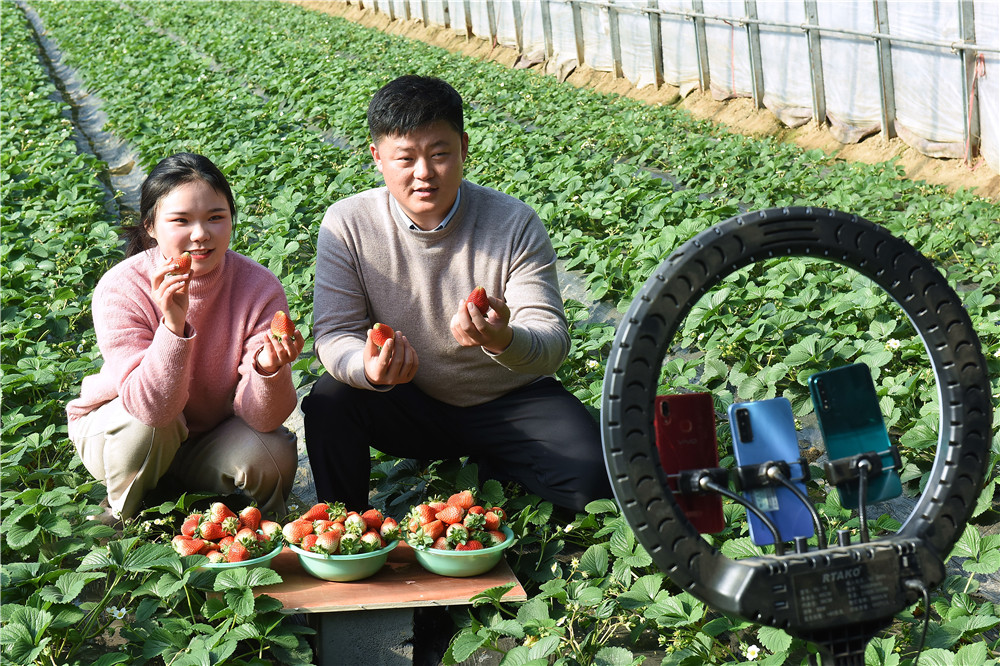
[[616, 224], [58, 238]]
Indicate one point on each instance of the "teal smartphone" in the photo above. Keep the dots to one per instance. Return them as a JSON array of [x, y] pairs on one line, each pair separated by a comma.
[[763, 431], [851, 422]]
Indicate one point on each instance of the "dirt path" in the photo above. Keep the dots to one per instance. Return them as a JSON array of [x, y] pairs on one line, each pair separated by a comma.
[[737, 114]]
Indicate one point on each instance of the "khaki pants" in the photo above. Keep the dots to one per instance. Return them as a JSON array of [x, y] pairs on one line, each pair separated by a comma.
[[131, 458]]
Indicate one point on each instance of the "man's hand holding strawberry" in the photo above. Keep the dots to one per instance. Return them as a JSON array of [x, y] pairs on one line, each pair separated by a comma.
[[389, 361], [471, 327]]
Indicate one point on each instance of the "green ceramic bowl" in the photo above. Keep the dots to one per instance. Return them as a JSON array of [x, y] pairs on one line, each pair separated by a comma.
[[463, 563], [343, 568], [262, 561]]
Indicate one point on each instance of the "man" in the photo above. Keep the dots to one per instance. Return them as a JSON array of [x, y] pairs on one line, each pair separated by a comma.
[[451, 382]]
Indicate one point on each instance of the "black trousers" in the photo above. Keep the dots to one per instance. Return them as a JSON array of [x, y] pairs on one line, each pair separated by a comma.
[[540, 436]]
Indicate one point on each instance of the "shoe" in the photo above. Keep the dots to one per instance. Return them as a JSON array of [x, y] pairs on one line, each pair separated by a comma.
[[108, 516]]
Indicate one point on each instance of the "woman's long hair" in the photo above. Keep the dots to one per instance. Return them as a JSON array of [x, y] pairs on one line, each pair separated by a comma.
[[170, 173]]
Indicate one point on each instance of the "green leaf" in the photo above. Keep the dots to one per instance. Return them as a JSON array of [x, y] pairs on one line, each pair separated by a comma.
[[67, 587], [775, 640], [988, 563], [464, 645], [595, 561], [973, 655], [613, 656], [240, 600]]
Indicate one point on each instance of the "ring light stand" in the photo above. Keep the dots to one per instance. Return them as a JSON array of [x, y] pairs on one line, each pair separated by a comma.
[[842, 596]]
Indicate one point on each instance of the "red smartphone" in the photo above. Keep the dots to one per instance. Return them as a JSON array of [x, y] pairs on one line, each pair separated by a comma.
[[685, 438]]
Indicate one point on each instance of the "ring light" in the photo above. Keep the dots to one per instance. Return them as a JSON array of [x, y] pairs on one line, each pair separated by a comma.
[[842, 596]]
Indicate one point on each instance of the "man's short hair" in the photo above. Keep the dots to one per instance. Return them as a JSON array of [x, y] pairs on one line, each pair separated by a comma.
[[411, 102]]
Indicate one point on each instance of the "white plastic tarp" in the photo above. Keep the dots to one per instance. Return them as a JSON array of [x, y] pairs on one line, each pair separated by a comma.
[[928, 94]]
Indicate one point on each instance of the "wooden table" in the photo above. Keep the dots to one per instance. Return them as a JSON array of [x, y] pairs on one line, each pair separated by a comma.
[[370, 621]]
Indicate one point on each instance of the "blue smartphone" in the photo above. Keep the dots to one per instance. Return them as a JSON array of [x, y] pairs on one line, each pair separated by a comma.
[[850, 419], [764, 430]]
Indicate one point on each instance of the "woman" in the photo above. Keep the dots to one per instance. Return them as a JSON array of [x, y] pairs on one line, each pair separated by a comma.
[[194, 389]]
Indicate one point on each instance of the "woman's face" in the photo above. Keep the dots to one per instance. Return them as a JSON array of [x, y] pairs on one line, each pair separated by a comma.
[[194, 218]]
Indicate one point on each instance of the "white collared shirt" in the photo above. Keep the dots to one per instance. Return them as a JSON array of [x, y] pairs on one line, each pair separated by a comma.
[[444, 222]]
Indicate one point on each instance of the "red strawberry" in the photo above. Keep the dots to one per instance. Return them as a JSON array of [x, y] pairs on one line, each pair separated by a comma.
[[501, 514], [190, 525], [463, 499], [474, 521], [479, 299], [250, 517], [441, 543], [309, 541], [295, 530], [181, 264], [497, 537], [210, 531], [423, 514], [219, 512], [231, 525], [477, 509], [437, 505], [247, 537], [337, 512], [389, 529], [282, 325], [225, 541], [491, 522], [327, 542], [215, 556], [320, 526], [237, 552], [319, 511], [450, 514], [433, 529], [373, 519], [380, 334], [471, 544], [270, 529], [185, 545]]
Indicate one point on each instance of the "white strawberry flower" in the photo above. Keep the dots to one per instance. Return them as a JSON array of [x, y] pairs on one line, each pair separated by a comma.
[[752, 652]]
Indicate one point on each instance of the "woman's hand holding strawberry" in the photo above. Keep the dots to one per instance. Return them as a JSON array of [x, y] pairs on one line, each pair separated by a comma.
[[283, 345], [169, 291]]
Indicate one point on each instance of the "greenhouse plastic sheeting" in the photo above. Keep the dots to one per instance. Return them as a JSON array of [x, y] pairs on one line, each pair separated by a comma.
[[929, 96]]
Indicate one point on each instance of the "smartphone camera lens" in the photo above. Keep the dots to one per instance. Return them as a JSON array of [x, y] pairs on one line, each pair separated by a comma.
[[743, 425], [824, 399]]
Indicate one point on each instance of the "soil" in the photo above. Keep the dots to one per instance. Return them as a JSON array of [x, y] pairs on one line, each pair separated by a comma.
[[738, 115]]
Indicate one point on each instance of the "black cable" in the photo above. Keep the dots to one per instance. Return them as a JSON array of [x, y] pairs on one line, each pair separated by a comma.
[[863, 467], [776, 474], [917, 584], [779, 546]]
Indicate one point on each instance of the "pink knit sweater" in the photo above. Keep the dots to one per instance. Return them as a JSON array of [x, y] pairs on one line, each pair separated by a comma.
[[208, 375]]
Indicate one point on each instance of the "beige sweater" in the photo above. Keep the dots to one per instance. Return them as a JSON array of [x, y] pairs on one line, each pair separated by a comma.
[[371, 267]]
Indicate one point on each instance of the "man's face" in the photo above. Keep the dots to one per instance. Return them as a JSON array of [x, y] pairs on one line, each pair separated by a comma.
[[423, 170]]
